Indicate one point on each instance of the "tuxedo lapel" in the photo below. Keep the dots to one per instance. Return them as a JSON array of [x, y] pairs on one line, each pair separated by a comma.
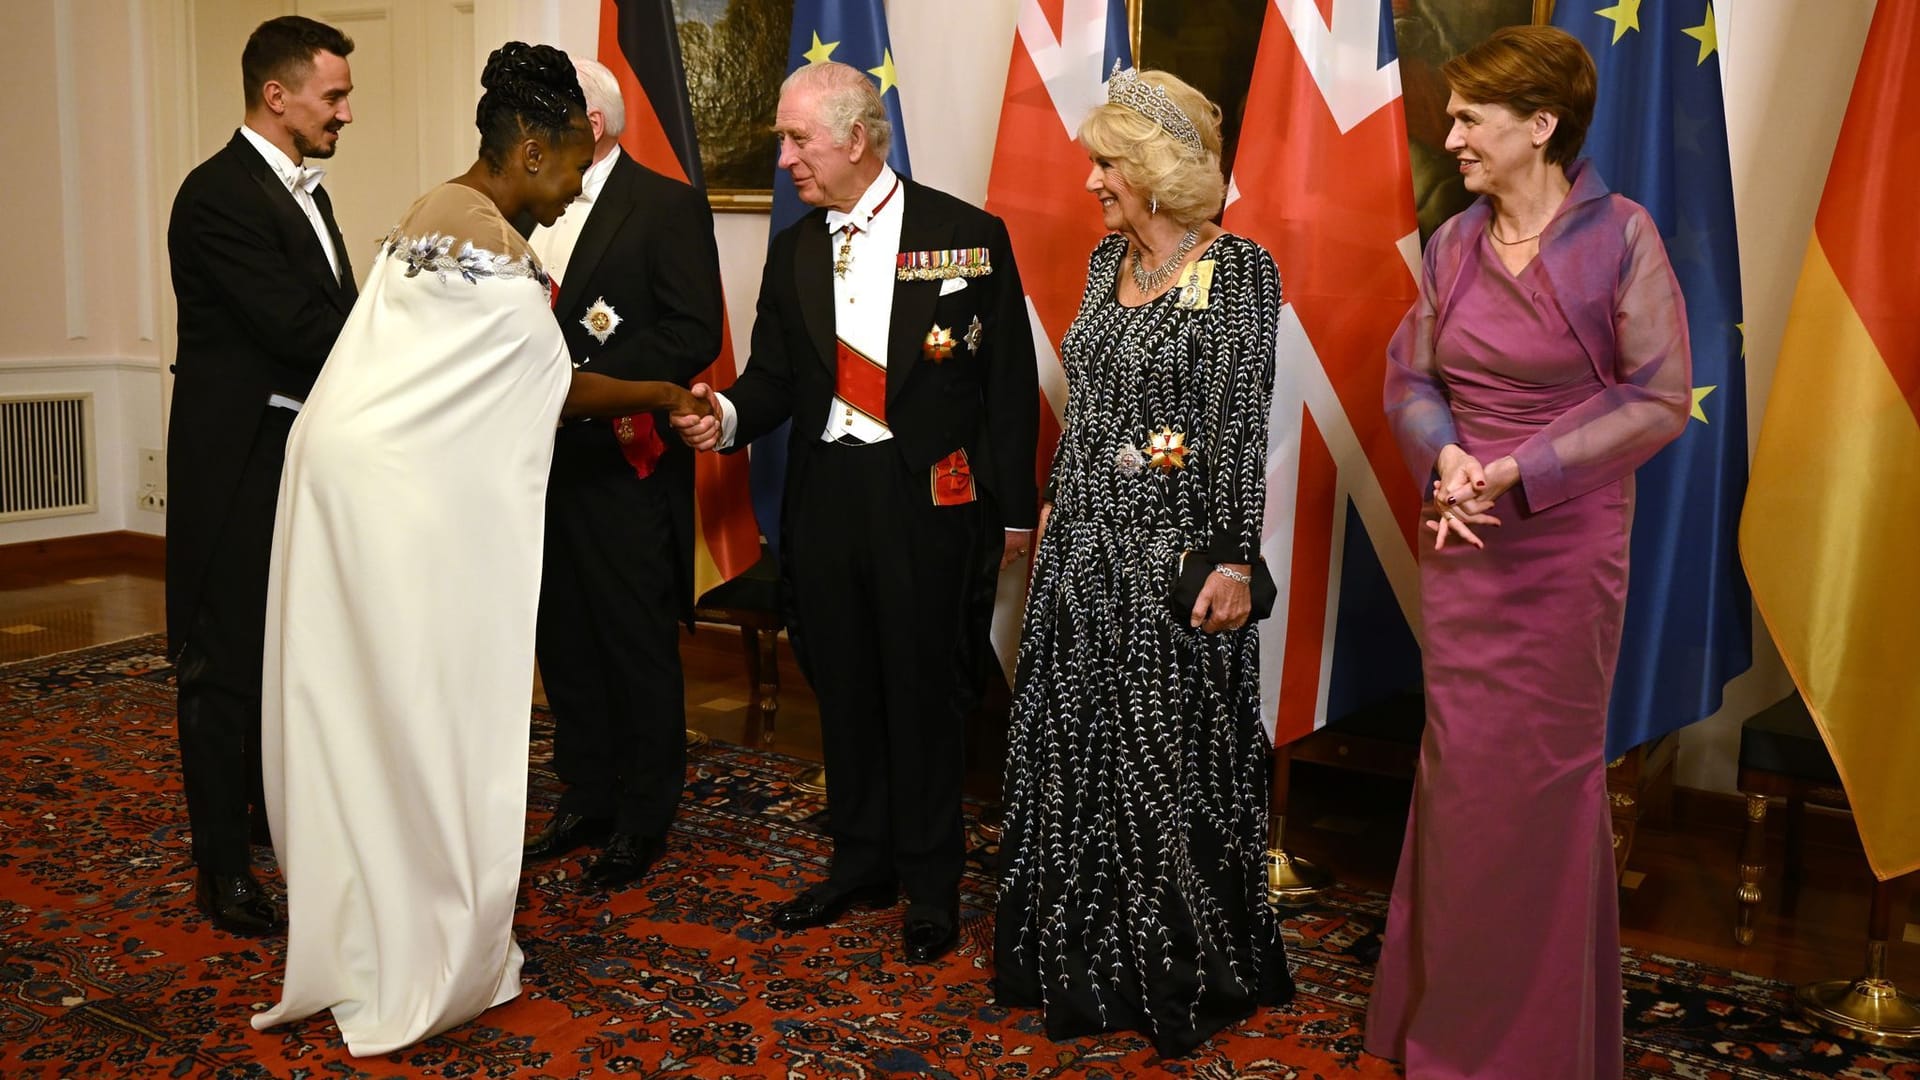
[[811, 281], [913, 301], [294, 220], [345, 291], [605, 215]]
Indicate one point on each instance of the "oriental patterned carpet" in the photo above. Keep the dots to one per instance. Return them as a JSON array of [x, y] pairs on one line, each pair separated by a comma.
[[107, 970]]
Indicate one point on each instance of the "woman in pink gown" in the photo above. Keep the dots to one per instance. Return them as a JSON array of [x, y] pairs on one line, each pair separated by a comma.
[[1545, 359]]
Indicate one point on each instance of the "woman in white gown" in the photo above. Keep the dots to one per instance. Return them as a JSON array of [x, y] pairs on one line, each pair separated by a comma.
[[406, 569]]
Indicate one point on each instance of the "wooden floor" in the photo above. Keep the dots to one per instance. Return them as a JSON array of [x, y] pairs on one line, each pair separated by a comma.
[[72, 594]]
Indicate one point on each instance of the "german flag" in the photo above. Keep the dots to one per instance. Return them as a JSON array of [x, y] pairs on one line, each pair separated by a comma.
[[640, 44], [1833, 508]]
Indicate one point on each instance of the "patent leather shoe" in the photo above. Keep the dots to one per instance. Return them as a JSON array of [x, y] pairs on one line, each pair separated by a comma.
[[566, 832], [626, 859], [236, 904], [923, 940], [824, 905]]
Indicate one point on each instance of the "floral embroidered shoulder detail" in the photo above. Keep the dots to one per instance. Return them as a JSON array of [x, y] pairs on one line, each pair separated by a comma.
[[434, 252]]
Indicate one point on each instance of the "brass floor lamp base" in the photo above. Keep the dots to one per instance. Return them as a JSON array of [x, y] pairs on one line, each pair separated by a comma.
[[813, 781], [1868, 1010], [992, 822], [1292, 882], [697, 738]]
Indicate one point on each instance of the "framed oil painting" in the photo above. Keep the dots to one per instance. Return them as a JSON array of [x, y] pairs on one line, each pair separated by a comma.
[[735, 53]]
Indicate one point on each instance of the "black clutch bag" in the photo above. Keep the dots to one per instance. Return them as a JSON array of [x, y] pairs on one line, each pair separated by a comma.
[[1192, 577]]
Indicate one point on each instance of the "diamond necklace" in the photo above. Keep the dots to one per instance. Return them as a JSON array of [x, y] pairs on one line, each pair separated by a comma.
[[1150, 281]]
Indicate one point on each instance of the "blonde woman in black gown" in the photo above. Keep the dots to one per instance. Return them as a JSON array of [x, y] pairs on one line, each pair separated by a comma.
[[1132, 890]]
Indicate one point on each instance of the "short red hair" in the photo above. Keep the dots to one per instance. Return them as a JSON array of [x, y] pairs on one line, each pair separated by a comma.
[[1531, 69]]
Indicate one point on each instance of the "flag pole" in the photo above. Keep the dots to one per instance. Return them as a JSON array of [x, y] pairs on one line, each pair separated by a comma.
[[1291, 881]]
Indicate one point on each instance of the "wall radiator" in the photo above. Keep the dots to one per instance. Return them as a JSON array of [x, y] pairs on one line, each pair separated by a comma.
[[46, 456]]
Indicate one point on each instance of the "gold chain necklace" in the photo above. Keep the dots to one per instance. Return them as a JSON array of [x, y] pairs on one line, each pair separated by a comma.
[[1495, 233], [1151, 281]]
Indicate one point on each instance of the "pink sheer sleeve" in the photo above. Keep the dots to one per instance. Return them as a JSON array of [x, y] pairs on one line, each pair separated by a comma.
[[1416, 400], [1646, 404]]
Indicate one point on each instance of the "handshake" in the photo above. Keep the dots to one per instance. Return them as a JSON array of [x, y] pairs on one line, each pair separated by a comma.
[[691, 405], [594, 395], [699, 422]]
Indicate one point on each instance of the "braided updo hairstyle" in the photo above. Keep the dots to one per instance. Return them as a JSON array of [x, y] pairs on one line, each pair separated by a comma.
[[531, 90]]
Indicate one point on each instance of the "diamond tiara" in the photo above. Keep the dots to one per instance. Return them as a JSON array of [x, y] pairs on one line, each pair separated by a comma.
[[1125, 87]]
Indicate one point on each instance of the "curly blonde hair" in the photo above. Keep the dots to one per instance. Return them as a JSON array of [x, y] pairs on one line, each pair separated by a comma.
[[1188, 185]]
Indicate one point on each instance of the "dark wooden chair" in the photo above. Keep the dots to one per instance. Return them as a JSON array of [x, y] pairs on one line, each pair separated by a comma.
[[1781, 757], [752, 603]]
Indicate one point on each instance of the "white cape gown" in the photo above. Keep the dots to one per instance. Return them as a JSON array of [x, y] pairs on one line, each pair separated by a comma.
[[400, 629]]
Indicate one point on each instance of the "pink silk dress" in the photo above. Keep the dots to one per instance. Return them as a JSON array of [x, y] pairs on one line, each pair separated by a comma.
[[1501, 957]]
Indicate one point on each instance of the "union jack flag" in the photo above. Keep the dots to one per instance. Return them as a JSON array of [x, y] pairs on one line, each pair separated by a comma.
[[1322, 180]]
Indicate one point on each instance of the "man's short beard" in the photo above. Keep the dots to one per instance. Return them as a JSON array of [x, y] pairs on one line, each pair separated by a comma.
[[308, 150]]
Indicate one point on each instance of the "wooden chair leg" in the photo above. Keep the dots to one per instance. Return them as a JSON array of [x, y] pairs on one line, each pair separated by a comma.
[[767, 682], [755, 732], [1796, 834], [1753, 867]]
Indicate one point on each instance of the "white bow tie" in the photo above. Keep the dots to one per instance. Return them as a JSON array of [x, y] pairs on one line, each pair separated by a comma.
[[307, 179]]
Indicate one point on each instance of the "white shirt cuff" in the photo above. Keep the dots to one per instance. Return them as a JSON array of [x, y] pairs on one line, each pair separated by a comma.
[[729, 423]]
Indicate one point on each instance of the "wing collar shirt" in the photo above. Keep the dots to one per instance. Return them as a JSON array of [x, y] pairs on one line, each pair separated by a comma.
[[862, 298], [300, 182]]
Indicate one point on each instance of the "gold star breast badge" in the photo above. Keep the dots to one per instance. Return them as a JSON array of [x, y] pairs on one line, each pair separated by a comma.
[[939, 344], [1167, 449]]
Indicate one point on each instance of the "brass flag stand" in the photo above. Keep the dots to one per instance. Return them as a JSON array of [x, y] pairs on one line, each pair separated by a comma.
[[1291, 881], [1871, 1008], [812, 780]]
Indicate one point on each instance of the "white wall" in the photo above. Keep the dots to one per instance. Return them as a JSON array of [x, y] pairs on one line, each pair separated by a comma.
[[104, 155], [79, 312]]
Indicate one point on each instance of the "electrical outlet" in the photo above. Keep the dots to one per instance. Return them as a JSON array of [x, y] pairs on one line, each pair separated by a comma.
[[152, 497], [153, 468]]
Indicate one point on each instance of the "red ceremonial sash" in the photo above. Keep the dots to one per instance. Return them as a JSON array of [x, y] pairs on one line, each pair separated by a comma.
[[860, 382]]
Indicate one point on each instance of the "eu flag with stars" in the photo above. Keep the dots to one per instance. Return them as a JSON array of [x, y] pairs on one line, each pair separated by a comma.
[[1659, 137], [851, 32]]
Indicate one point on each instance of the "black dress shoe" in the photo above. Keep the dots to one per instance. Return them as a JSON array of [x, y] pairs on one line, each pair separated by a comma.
[[236, 904], [923, 941], [566, 832], [626, 859], [823, 905]]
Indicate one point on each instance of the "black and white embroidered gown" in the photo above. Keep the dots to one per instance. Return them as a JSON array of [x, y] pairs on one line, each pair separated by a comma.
[[1132, 881]]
